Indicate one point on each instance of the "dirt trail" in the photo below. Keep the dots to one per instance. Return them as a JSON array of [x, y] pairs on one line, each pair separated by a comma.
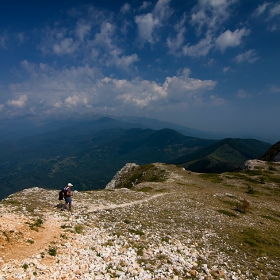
[[19, 241], [114, 206]]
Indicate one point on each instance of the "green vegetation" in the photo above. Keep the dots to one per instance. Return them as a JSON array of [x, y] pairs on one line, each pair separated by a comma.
[[145, 189], [6, 236], [78, 229], [226, 212], [261, 241], [243, 206], [36, 224], [213, 177], [52, 251], [136, 231], [144, 173], [251, 190]]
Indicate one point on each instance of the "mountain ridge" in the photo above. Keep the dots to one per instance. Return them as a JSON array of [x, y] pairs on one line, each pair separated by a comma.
[[185, 225], [90, 159]]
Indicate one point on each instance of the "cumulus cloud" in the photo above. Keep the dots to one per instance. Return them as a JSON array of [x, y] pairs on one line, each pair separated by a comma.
[[145, 5], [202, 48], [82, 29], [65, 46], [19, 103], [84, 88], [250, 56], [175, 43], [231, 39], [226, 69], [210, 14], [125, 8], [148, 23]]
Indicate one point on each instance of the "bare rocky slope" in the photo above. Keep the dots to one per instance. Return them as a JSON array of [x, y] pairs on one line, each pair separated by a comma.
[[168, 223]]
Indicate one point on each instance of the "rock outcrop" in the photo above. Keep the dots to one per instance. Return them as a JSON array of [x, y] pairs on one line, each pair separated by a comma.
[[117, 179], [183, 227]]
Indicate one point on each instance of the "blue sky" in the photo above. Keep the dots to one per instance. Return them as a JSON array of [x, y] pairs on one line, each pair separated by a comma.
[[212, 65]]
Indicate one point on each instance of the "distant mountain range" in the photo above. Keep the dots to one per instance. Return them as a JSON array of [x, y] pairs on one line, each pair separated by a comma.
[[18, 127], [88, 152]]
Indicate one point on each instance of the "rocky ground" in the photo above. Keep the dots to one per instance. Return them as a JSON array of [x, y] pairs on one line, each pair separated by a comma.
[[188, 226]]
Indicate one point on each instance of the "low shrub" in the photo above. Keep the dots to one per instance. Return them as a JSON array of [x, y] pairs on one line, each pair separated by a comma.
[[243, 206]]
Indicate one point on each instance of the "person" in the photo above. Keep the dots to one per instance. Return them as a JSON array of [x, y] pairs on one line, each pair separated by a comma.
[[68, 196]]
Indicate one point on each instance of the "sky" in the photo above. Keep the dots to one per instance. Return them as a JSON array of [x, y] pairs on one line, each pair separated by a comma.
[[212, 65]]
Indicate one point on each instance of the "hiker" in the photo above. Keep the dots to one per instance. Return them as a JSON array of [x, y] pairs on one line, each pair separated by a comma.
[[68, 196]]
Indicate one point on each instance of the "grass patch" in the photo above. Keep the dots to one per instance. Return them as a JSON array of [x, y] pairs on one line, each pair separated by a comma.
[[145, 189], [65, 226], [136, 231], [144, 173], [52, 251], [262, 242], [6, 236], [251, 190], [11, 202], [213, 177], [229, 202], [36, 224], [78, 229], [243, 206], [226, 212], [270, 218]]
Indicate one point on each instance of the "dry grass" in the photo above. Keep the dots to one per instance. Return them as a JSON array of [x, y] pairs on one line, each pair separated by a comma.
[[197, 210]]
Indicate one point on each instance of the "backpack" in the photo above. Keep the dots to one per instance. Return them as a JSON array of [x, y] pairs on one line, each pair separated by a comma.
[[61, 195]]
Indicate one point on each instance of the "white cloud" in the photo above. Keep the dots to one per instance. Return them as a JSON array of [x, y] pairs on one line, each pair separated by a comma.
[[210, 14], [250, 56], [241, 94], [261, 9], [148, 23], [19, 103], [200, 49], [1, 107], [65, 46], [226, 69], [275, 10], [216, 100], [122, 62], [146, 26], [83, 88], [75, 100], [175, 44], [125, 8], [145, 5], [231, 39], [82, 29]]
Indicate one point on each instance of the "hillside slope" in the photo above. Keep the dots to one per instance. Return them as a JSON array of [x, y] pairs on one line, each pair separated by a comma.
[[172, 224], [88, 160], [273, 154], [223, 156]]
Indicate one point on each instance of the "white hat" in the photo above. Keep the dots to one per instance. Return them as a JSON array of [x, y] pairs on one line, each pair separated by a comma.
[[70, 185]]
